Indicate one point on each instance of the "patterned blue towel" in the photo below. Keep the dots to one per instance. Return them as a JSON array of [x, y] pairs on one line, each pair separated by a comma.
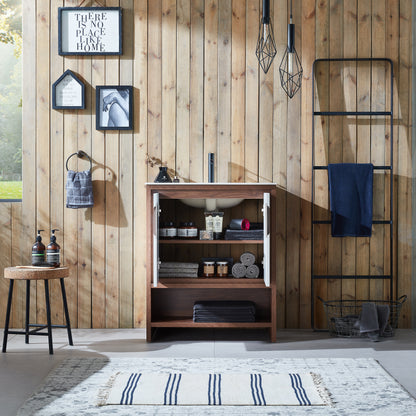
[[79, 189]]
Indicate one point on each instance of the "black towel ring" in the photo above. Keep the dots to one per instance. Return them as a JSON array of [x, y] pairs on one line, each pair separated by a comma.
[[80, 154]]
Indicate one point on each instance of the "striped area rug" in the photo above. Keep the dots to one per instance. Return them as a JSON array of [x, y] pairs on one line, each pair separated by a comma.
[[215, 389]]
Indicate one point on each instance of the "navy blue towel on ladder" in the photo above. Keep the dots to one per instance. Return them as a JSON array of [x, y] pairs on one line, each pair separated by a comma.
[[351, 199]]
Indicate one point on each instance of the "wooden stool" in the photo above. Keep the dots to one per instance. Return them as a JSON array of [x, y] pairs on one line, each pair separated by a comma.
[[28, 274]]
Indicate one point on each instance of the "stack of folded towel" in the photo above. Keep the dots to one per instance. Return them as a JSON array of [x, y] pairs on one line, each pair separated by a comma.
[[224, 311], [178, 269], [246, 267]]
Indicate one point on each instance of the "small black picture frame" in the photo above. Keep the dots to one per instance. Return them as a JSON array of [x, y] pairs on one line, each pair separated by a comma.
[[90, 31], [114, 107], [68, 92]]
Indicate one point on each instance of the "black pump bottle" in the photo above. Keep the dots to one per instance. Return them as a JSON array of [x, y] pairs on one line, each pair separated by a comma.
[[38, 251], [53, 251]]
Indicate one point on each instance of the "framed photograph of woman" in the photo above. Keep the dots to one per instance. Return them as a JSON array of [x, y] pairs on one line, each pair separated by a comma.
[[114, 107]]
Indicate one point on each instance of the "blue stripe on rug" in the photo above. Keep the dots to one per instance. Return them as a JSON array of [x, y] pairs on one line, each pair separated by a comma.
[[302, 390], [252, 390], [213, 390], [134, 386], [125, 388], [295, 389], [177, 388], [219, 389], [261, 390], [209, 389], [166, 390]]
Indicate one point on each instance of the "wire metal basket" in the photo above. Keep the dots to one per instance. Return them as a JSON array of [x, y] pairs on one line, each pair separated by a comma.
[[343, 316]]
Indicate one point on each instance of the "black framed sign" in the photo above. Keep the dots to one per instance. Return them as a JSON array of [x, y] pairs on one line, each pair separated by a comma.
[[90, 30], [68, 92], [114, 107]]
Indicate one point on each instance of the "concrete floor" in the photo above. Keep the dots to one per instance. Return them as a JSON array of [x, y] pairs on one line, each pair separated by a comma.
[[24, 367]]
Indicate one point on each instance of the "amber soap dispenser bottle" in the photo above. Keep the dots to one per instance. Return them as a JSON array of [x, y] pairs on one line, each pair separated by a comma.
[[38, 251], [53, 251]]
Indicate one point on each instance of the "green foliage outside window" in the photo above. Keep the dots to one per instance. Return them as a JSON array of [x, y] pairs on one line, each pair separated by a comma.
[[10, 99]]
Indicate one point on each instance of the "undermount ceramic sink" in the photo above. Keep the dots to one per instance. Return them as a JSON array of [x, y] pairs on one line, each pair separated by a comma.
[[212, 204]]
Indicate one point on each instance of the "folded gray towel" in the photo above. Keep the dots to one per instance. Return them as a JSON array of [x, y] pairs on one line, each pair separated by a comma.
[[79, 189], [178, 265], [374, 320]]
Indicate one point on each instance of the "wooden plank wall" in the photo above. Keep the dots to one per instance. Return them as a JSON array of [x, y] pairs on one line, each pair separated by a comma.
[[198, 89]]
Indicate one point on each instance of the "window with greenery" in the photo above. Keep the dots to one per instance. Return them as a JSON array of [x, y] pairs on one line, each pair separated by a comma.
[[10, 99]]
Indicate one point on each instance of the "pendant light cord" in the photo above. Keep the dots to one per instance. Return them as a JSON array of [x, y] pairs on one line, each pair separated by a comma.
[[290, 11]]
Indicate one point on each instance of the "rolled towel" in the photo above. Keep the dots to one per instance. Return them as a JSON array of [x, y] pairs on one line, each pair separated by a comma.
[[248, 258], [253, 271], [238, 270]]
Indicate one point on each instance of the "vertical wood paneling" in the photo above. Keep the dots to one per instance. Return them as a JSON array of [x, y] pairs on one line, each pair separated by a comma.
[[84, 216], [183, 62], [293, 193], [392, 50], [224, 91], [126, 178], [6, 253], [265, 125], [56, 163], [140, 150], [196, 148], [308, 55], [112, 208], [43, 136], [210, 83], [252, 93], [349, 130], [198, 89], [336, 102], [280, 108], [363, 129], [378, 144], [98, 263], [238, 68], [19, 290], [404, 248], [168, 82], [321, 207]]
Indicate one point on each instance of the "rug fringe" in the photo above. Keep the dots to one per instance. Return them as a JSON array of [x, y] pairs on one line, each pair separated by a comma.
[[105, 390], [325, 394]]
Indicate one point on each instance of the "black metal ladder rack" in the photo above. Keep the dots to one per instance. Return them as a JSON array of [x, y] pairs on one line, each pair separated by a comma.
[[389, 167]]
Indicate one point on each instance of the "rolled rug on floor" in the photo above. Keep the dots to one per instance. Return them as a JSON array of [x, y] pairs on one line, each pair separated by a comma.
[[238, 270], [247, 258], [253, 271]]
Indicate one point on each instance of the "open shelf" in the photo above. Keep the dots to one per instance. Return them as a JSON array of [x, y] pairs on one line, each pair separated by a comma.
[[210, 282], [189, 323], [216, 242]]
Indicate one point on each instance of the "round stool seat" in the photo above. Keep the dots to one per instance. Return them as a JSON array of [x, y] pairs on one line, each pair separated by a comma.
[[35, 273]]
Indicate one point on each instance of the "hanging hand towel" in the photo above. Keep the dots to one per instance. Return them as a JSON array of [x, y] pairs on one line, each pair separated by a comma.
[[79, 189], [351, 199]]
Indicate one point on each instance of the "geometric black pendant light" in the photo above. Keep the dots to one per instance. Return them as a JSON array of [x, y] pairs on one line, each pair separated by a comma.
[[291, 68], [266, 46]]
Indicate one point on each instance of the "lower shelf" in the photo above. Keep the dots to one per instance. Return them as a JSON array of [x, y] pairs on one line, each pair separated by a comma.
[[189, 323]]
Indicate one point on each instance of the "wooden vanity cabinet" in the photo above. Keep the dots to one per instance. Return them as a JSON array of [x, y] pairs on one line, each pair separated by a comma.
[[170, 300]]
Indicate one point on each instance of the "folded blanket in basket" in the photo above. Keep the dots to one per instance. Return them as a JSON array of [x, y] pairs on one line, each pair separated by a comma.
[[374, 320]]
